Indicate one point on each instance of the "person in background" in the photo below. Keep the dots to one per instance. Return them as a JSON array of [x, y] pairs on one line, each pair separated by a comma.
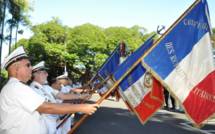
[[39, 77], [172, 100], [39, 85], [56, 85], [66, 85]]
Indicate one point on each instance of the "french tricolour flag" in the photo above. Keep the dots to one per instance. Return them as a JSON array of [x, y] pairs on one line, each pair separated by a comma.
[[182, 60], [139, 89]]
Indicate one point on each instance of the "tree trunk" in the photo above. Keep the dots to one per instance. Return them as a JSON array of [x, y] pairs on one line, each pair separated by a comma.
[[17, 28], [10, 39], [2, 28]]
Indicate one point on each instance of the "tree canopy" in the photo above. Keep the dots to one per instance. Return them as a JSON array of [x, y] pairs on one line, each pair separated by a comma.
[[82, 49]]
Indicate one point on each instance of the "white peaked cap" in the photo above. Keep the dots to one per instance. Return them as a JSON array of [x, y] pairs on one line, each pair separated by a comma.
[[39, 66], [16, 55], [63, 76]]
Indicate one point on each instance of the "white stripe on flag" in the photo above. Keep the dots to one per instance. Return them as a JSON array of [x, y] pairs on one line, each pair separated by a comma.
[[192, 69], [136, 92]]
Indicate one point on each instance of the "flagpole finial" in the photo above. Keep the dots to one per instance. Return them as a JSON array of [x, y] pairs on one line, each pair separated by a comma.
[[160, 28]]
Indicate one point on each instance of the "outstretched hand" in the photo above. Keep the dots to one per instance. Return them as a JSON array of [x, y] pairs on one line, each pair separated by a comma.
[[89, 108]]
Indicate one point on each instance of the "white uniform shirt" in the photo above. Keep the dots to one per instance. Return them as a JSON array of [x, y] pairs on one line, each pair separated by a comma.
[[67, 125], [50, 119], [65, 89], [18, 104], [43, 92], [52, 92], [38, 88]]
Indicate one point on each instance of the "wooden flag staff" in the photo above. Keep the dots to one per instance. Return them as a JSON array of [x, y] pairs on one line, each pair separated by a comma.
[[116, 84], [68, 115], [77, 124]]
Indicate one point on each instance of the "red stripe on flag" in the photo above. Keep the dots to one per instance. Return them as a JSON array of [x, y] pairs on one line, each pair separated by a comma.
[[157, 91], [150, 104], [200, 103]]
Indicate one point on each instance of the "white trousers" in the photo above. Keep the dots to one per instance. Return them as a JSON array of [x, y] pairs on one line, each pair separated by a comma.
[[51, 124], [64, 129]]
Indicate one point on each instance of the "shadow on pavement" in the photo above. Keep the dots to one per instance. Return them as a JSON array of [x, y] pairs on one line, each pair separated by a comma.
[[120, 121]]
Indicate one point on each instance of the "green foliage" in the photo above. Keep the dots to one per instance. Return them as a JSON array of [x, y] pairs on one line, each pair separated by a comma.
[[114, 35], [3, 78], [52, 31], [83, 49], [86, 41], [99, 60], [86, 36], [23, 42], [57, 58], [4, 74]]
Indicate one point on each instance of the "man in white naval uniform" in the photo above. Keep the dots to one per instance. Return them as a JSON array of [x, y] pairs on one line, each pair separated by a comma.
[[39, 76], [66, 85], [18, 103], [20, 106]]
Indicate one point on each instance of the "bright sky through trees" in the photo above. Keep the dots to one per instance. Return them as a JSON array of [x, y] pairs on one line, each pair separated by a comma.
[[106, 13]]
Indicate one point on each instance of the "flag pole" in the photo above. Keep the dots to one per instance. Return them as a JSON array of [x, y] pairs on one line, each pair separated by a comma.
[[68, 115], [94, 77], [134, 65], [89, 82], [104, 64], [77, 124]]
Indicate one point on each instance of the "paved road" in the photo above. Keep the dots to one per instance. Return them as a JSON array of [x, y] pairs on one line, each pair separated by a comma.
[[114, 118]]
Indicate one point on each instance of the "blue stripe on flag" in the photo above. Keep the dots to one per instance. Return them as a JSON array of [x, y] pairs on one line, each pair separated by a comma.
[[112, 64], [132, 77], [179, 42]]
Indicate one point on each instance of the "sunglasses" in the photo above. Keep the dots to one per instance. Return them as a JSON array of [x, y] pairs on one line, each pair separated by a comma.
[[28, 65]]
